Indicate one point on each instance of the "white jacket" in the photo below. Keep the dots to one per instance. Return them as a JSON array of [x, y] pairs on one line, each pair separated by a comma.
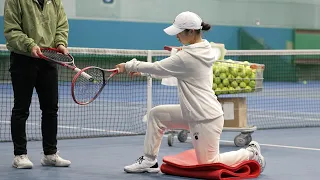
[[192, 66]]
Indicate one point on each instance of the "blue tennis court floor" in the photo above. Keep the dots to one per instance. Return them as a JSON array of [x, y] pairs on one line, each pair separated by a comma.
[[291, 154]]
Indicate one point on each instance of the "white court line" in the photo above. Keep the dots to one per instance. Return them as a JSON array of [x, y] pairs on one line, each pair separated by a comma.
[[272, 145], [81, 128], [277, 111], [285, 117], [281, 146]]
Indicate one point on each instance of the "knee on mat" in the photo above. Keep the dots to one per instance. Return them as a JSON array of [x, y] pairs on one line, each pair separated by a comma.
[[203, 159]]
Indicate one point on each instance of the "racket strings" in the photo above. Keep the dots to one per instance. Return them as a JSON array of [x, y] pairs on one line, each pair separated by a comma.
[[85, 90], [57, 56]]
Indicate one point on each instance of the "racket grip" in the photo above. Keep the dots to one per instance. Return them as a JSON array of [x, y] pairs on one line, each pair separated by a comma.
[[83, 74]]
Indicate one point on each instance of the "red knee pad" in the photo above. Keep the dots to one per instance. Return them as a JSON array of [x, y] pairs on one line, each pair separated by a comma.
[[185, 164]]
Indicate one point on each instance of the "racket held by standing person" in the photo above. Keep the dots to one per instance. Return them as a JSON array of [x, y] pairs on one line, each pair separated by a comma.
[[66, 60]]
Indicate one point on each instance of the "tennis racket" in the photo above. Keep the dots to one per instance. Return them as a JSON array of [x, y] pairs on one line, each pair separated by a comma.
[[66, 60], [85, 90]]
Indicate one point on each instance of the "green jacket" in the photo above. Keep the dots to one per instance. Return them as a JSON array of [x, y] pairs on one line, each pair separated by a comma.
[[27, 25]]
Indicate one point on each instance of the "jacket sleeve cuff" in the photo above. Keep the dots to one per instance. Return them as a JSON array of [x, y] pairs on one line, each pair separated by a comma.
[[31, 46], [131, 66], [60, 43]]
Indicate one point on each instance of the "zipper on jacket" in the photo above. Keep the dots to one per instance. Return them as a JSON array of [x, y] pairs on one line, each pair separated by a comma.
[[39, 6]]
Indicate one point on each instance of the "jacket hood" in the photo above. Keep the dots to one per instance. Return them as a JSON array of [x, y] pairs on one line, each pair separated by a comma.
[[202, 51]]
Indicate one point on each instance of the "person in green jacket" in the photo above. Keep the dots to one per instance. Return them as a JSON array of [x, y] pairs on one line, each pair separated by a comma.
[[28, 26]]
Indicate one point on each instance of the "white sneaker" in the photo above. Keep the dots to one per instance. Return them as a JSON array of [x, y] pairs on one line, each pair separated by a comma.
[[22, 162], [54, 160], [255, 148], [142, 165]]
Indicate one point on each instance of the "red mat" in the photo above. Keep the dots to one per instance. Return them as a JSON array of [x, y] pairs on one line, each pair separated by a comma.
[[185, 164]]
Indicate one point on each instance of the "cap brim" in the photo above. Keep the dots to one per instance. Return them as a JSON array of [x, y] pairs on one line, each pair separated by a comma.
[[172, 30]]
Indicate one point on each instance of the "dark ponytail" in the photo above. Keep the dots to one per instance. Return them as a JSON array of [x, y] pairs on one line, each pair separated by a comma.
[[205, 26]]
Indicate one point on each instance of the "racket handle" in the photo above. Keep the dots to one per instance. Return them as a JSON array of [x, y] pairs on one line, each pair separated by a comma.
[[83, 74], [169, 48]]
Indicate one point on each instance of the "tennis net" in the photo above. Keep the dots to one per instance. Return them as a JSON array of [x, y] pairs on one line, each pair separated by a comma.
[[289, 97]]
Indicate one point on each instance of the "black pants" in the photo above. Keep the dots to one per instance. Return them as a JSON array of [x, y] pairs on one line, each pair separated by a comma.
[[28, 73]]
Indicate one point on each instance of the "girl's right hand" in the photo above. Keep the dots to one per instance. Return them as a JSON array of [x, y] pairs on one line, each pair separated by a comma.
[[134, 74]]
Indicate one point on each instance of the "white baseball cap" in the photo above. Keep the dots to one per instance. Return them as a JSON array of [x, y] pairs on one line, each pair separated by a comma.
[[185, 20]]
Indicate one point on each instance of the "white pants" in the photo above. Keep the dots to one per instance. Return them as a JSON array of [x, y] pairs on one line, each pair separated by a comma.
[[205, 136]]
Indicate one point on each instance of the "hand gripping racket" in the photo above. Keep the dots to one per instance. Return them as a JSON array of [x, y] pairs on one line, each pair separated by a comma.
[[85, 90], [169, 48], [66, 60]]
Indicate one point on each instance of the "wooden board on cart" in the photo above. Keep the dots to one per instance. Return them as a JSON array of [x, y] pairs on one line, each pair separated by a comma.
[[235, 111]]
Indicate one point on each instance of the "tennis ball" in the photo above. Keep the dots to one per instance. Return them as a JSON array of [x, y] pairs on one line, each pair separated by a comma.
[[223, 76], [225, 82], [223, 69], [220, 86], [234, 84], [229, 61], [238, 79], [253, 76], [248, 71], [234, 72], [247, 89], [230, 77], [242, 74], [246, 80], [217, 91], [252, 84], [214, 86], [243, 84], [225, 90], [240, 68], [305, 82], [214, 69], [217, 80], [246, 63], [217, 73], [237, 89], [231, 90]]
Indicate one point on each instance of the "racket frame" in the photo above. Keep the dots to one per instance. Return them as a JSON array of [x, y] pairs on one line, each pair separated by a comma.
[[74, 80]]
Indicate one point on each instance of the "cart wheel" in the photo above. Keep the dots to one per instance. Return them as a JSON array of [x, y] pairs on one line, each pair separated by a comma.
[[249, 139], [240, 140], [183, 136], [170, 139]]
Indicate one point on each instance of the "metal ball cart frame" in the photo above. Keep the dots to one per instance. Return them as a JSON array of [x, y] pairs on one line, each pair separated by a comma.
[[241, 140]]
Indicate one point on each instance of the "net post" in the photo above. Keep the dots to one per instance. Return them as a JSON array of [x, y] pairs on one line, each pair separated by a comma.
[[149, 86]]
